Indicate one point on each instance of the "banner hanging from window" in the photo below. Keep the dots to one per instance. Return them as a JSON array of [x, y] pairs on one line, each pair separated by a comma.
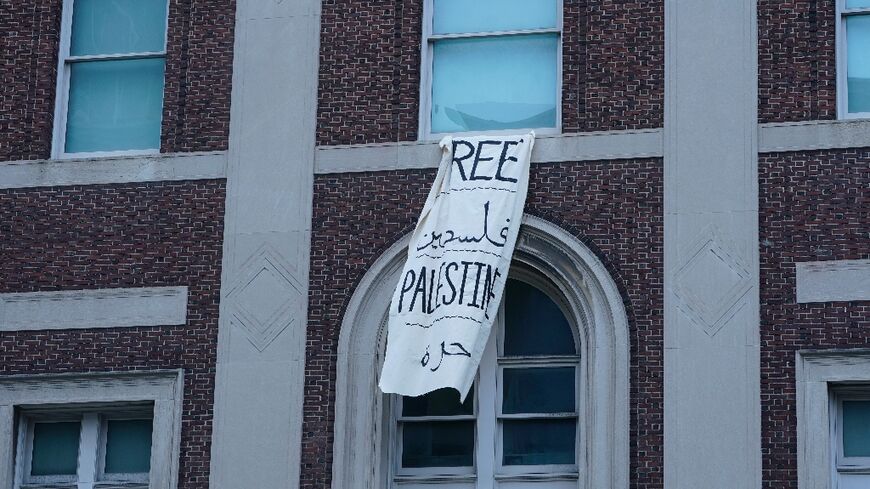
[[451, 286]]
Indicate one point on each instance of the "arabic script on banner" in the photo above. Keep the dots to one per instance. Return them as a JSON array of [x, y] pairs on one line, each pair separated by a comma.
[[450, 288]]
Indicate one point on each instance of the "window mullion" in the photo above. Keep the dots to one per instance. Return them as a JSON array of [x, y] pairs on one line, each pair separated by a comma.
[[487, 429], [88, 449]]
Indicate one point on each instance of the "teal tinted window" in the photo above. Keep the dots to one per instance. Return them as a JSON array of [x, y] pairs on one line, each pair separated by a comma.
[[857, 3], [456, 16], [858, 69], [438, 444], [115, 105], [118, 26], [534, 324], [55, 448], [538, 390], [494, 83], [856, 428], [539, 442], [128, 446]]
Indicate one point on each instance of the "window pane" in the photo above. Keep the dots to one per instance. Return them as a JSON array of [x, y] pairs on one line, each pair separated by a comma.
[[128, 446], [453, 16], [857, 3], [443, 402], [538, 390], [858, 49], [856, 428], [55, 448], [534, 324], [438, 444], [494, 83], [118, 26], [115, 105], [539, 442]]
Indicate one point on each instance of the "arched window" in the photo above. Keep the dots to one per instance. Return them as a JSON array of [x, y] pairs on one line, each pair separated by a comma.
[[520, 421], [526, 425]]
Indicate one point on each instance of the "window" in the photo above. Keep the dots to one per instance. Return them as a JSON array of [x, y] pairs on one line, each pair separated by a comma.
[[491, 65], [854, 58], [110, 77], [521, 420], [852, 437], [81, 448]]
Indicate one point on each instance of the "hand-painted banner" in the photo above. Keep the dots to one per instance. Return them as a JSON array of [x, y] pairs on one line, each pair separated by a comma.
[[458, 260]]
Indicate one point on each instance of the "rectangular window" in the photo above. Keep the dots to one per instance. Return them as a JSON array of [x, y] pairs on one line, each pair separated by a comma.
[[854, 58], [86, 447], [110, 77], [491, 65]]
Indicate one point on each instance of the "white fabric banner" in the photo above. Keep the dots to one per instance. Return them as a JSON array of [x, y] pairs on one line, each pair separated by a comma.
[[458, 260]]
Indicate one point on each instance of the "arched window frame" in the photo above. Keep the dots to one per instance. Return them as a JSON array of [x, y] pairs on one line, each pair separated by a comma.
[[362, 421]]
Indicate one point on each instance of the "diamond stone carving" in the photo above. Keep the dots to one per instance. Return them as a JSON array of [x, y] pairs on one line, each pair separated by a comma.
[[711, 282], [264, 302]]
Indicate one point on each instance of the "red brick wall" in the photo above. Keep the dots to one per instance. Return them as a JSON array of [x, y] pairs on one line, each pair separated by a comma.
[[613, 73], [796, 60], [614, 207], [132, 235], [813, 206], [196, 108]]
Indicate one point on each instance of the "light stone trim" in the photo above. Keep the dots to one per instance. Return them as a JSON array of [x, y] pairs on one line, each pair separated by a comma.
[[164, 387], [94, 308], [121, 169], [814, 135], [828, 281], [360, 453], [588, 146], [712, 426], [259, 380], [815, 371]]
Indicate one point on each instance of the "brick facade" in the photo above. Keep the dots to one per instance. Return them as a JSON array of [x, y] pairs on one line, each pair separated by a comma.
[[813, 206], [358, 216], [612, 53], [196, 108], [134, 235], [797, 60]]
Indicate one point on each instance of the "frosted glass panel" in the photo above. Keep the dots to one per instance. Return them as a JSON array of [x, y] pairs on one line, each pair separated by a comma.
[[856, 428], [857, 3], [443, 402], [55, 448], [128, 446], [534, 324], [115, 105], [494, 83], [538, 390], [118, 26], [858, 49], [438, 444], [454, 16], [539, 442]]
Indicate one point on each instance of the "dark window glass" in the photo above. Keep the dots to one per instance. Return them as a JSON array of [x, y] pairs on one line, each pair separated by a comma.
[[443, 402], [55, 448], [538, 390], [438, 444], [539, 442], [534, 324]]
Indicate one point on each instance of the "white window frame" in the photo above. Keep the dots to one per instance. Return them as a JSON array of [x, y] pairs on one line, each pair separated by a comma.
[[61, 102], [362, 422], [427, 57], [847, 393], [488, 412], [843, 60], [90, 394], [92, 443], [823, 378]]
